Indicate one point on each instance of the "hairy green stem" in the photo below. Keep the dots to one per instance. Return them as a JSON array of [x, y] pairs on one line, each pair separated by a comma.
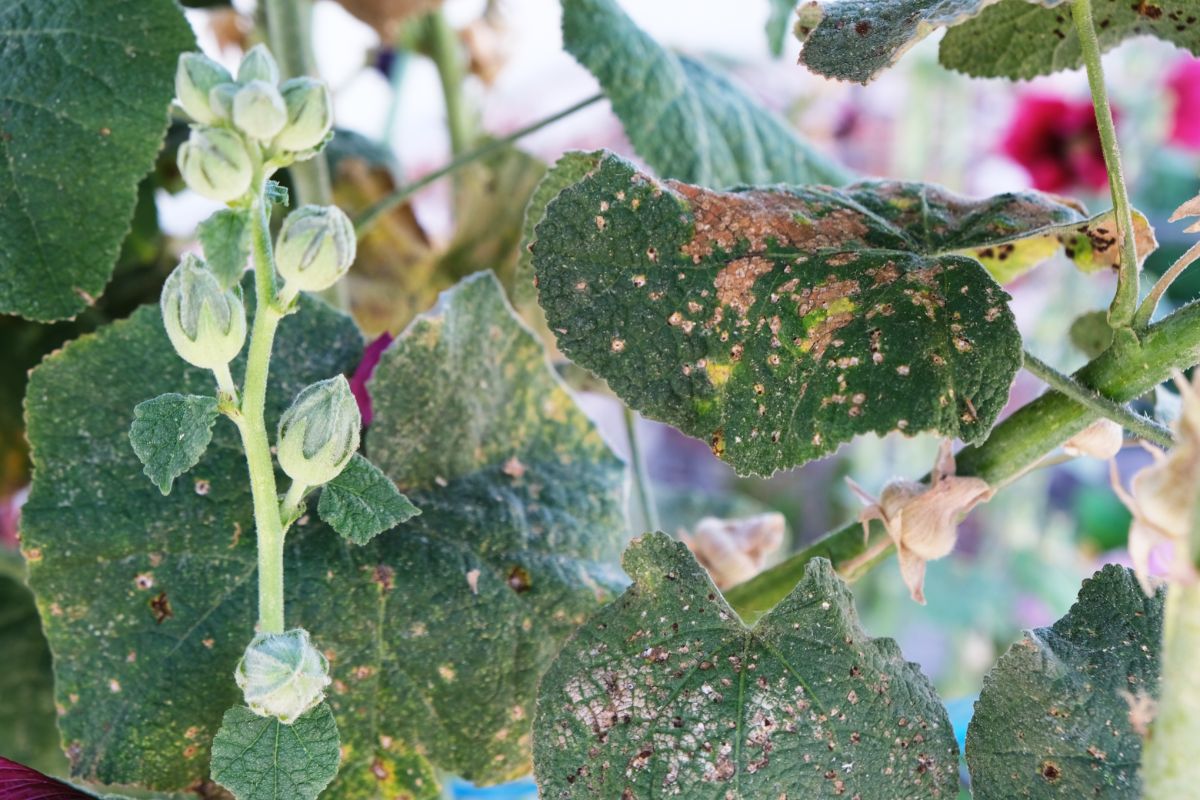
[[253, 427], [1121, 312], [1145, 428], [1128, 369], [293, 498], [371, 215], [1170, 768], [442, 43], [225, 381], [641, 480], [1146, 310]]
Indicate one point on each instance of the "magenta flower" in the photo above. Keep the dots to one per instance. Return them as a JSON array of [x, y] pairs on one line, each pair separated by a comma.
[[366, 368], [1057, 142], [1183, 83]]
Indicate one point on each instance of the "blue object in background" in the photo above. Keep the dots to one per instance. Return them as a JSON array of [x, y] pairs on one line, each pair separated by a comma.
[[961, 711]]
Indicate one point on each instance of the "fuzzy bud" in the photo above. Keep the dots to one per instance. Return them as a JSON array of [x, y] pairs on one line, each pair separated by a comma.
[[258, 110], [319, 433], [205, 323], [258, 65], [195, 77], [282, 675], [214, 162], [220, 99], [309, 114], [315, 247]]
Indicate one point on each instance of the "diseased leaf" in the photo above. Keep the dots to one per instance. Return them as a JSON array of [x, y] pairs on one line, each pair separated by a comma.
[[777, 324], [684, 119], [666, 693], [19, 782], [260, 758], [436, 631], [83, 104], [170, 434], [1019, 39], [362, 502], [1054, 717], [225, 237]]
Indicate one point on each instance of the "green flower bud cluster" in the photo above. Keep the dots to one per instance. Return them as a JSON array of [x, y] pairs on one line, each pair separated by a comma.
[[282, 675], [205, 323], [319, 433], [244, 120]]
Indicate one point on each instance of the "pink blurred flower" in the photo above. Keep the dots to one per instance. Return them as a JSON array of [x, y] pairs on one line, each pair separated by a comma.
[[1057, 142], [366, 368], [1184, 85]]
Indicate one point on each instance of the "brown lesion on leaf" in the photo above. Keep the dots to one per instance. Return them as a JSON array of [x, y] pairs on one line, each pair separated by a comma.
[[384, 576], [736, 281], [823, 295], [160, 606], [820, 336]]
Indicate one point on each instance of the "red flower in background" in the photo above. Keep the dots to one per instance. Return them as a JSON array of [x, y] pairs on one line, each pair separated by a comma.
[[1057, 142], [1184, 85], [366, 368]]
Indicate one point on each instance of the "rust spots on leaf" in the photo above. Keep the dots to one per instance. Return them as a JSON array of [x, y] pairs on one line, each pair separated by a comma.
[[736, 281], [1147, 10], [160, 606], [384, 576], [518, 579]]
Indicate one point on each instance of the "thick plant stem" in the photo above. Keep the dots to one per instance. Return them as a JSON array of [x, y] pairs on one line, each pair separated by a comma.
[[1170, 768], [253, 427], [641, 480], [446, 52], [1145, 428], [1121, 312], [371, 215], [1123, 372]]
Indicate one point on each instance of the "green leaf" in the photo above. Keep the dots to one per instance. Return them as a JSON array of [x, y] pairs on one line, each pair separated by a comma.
[[225, 237], [362, 502], [260, 758], [170, 434], [666, 693], [1053, 720], [685, 120], [436, 632], [27, 719], [1018, 39], [777, 324], [83, 104]]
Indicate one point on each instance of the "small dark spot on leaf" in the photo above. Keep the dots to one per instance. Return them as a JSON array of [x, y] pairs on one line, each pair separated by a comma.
[[862, 27], [161, 607], [518, 579], [1050, 771]]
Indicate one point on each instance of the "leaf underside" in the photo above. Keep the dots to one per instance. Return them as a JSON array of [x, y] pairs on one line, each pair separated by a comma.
[[83, 110], [170, 433], [666, 693], [260, 758], [362, 502], [778, 323], [1053, 719], [435, 630]]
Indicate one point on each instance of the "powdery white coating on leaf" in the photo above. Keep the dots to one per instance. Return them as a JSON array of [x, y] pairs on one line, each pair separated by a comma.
[[260, 758], [1056, 717], [665, 693]]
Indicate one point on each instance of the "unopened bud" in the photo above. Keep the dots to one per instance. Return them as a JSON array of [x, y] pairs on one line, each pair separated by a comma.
[[258, 65], [205, 323], [309, 114], [214, 162], [258, 110], [315, 247], [220, 99], [319, 433], [282, 675], [195, 77]]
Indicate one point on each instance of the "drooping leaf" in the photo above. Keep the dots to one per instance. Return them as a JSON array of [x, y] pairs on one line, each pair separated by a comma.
[[19, 782], [435, 631], [225, 237], [1057, 714], [665, 692], [1018, 39], [362, 502], [170, 434], [777, 324], [27, 719], [83, 109], [260, 758], [687, 121]]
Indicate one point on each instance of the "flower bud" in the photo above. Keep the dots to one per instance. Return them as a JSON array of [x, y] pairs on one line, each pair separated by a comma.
[[258, 65], [195, 77], [258, 110], [214, 162], [309, 114], [319, 433], [315, 247], [220, 99], [282, 675], [205, 323]]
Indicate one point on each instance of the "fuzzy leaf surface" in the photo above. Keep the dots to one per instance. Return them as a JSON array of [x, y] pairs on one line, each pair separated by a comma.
[[1053, 719], [779, 323], [1018, 39], [362, 502], [665, 692], [686, 120], [260, 758], [225, 237], [83, 104], [170, 434]]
